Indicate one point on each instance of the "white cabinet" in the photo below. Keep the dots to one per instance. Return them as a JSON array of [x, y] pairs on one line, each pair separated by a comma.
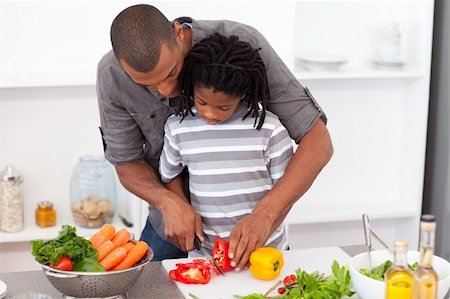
[[377, 120]]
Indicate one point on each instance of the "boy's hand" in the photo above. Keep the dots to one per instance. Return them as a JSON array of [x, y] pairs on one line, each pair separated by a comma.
[[249, 233]]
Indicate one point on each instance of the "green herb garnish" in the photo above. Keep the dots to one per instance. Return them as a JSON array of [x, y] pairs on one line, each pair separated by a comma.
[[313, 285]]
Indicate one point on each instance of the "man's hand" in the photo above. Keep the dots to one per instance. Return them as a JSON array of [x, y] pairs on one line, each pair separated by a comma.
[[181, 223], [249, 233]]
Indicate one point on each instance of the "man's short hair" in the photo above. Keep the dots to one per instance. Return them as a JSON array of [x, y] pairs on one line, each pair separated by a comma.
[[136, 36]]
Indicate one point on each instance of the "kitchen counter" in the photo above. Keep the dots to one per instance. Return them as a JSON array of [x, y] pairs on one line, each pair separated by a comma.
[[153, 282]]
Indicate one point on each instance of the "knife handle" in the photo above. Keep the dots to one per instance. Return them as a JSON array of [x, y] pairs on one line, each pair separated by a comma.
[[197, 243]]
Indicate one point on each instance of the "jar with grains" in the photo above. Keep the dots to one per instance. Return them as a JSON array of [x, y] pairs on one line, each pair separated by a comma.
[[92, 192], [45, 214], [11, 200]]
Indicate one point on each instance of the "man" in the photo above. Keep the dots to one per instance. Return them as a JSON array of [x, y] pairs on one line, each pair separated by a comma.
[[137, 86]]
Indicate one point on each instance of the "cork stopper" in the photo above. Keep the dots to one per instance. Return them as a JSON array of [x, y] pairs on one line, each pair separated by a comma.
[[401, 245], [428, 223]]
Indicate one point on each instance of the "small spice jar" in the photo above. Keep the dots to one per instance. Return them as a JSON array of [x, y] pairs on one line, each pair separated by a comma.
[[45, 214], [11, 200]]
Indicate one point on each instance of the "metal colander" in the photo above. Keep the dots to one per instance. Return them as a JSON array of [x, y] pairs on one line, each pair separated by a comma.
[[96, 284]]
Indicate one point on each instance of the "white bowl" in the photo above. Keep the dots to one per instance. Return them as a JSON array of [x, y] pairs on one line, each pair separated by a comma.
[[369, 288]]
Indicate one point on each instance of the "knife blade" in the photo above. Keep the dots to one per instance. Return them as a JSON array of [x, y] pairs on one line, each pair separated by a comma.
[[198, 246]]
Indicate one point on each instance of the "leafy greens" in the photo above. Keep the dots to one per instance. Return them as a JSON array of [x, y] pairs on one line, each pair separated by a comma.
[[379, 271], [315, 286], [76, 248]]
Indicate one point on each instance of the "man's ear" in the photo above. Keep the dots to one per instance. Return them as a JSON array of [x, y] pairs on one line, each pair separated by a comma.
[[178, 31]]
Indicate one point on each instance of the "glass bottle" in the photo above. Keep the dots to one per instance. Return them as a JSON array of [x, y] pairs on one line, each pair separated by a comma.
[[92, 192], [398, 276], [425, 279], [11, 200], [45, 214]]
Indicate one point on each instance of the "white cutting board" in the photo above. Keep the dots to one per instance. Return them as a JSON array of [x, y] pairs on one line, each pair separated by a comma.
[[243, 283]]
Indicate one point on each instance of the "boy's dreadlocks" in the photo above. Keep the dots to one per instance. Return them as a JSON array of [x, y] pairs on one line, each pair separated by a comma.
[[228, 65]]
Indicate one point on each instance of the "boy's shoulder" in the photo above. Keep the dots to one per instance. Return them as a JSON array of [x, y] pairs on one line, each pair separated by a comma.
[[174, 121], [272, 118]]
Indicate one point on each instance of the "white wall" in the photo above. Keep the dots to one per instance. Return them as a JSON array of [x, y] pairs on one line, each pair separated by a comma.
[[49, 117], [48, 107]]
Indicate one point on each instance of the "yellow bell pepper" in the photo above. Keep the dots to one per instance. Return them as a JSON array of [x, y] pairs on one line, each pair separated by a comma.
[[266, 263]]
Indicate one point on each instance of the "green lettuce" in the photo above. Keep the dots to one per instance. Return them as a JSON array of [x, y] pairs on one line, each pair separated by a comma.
[[76, 248]]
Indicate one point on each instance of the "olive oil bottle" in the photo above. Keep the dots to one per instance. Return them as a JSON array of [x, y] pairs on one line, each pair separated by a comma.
[[425, 279], [398, 276]]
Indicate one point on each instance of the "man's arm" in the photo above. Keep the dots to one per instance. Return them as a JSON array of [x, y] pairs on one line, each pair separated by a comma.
[[140, 179], [313, 153]]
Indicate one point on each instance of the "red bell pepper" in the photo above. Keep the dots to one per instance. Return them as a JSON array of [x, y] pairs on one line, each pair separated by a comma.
[[220, 254], [191, 273]]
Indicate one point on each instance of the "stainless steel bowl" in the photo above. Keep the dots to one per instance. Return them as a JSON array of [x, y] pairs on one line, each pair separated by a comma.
[[96, 284]]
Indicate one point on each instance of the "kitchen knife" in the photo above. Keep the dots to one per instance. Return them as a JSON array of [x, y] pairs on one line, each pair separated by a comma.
[[198, 246]]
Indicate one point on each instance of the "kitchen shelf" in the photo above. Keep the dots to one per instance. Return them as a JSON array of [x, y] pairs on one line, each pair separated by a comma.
[[48, 79], [32, 231], [356, 72], [308, 213]]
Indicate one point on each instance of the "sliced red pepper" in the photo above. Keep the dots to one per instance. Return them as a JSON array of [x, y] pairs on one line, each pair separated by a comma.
[[208, 264], [220, 254], [191, 273]]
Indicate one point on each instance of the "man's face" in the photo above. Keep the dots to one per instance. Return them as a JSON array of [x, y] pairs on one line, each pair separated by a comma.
[[164, 77]]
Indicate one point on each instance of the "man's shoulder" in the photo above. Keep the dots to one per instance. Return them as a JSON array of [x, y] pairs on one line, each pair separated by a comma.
[[226, 27], [109, 61], [109, 69]]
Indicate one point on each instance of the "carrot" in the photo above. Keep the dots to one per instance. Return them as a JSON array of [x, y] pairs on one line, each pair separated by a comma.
[[104, 249], [133, 256], [113, 258], [128, 246], [105, 233], [121, 237]]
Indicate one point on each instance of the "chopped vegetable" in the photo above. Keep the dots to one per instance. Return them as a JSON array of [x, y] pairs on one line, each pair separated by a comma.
[[220, 254], [191, 273], [379, 271], [67, 244], [266, 263]]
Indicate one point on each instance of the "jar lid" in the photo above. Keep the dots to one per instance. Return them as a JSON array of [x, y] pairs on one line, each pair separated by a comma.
[[45, 204], [10, 174]]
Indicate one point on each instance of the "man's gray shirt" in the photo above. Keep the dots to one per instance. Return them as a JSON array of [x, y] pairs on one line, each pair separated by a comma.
[[133, 117]]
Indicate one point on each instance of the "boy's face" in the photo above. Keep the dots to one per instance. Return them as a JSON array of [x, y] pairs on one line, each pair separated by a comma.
[[164, 77], [214, 106]]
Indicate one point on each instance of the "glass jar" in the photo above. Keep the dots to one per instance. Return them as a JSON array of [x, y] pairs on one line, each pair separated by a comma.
[[11, 200], [92, 192], [45, 214]]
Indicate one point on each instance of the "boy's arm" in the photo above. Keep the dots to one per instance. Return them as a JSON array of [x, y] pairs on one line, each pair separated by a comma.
[[313, 153]]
